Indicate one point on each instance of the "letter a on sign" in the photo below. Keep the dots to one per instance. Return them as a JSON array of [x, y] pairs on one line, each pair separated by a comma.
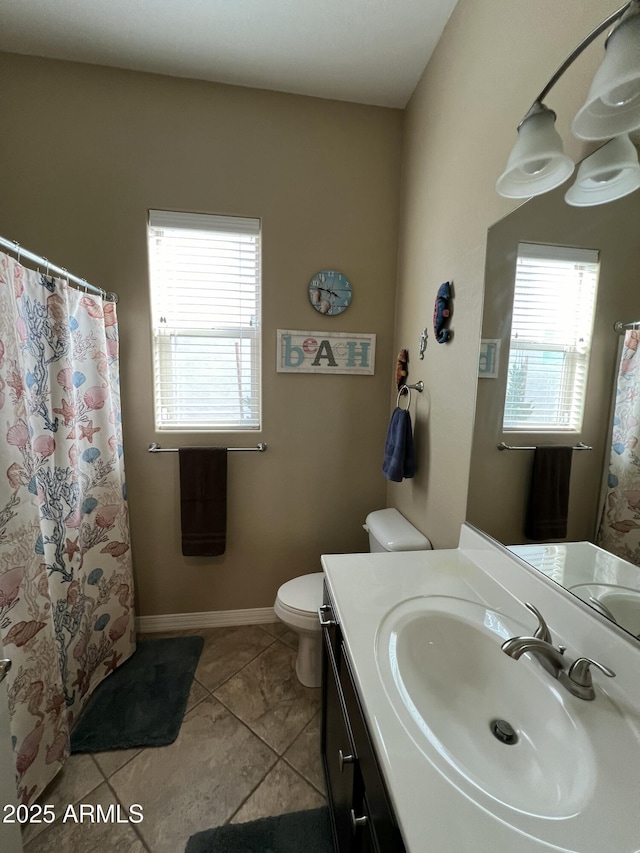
[[324, 351]]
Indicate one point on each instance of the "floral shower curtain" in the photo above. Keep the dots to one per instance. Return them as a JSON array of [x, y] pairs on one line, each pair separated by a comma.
[[66, 591], [620, 524]]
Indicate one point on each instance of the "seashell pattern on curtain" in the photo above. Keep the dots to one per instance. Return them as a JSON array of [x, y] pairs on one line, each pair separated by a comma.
[[620, 524], [66, 587]]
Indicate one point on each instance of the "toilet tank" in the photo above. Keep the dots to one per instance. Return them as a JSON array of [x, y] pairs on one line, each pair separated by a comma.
[[390, 531]]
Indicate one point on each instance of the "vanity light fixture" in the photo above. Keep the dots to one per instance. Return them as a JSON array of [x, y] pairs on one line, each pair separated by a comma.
[[610, 172], [613, 103], [537, 162]]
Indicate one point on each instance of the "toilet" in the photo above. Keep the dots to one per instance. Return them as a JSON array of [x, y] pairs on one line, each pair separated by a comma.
[[298, 600]]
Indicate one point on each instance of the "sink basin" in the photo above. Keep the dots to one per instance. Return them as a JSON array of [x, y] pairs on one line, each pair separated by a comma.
[[444, 673], [622, 602]]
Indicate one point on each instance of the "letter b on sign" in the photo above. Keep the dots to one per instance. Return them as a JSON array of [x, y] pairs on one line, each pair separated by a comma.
[[292, 351]]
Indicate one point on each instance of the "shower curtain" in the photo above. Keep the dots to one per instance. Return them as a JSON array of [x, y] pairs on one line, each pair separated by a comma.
[[620, 523], [66, 591]]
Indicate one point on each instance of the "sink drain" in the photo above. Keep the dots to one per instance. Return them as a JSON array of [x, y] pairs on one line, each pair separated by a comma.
[[503, 731]]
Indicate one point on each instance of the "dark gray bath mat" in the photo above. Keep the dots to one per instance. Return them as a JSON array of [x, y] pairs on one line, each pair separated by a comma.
[[296, 832], [143, 702]]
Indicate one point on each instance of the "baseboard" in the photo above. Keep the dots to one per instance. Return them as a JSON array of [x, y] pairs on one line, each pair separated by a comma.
[[210, 619]]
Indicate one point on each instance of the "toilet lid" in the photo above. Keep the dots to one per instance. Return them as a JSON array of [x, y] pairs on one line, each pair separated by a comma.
[[303, 593]]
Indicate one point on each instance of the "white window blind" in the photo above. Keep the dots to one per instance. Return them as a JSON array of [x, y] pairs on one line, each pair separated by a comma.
[[206, 315], [553, 311]]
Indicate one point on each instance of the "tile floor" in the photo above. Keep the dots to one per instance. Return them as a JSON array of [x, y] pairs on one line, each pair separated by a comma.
[[249, 747]]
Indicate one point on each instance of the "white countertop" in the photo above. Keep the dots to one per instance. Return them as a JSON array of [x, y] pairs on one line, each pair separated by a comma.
[[438, 812]]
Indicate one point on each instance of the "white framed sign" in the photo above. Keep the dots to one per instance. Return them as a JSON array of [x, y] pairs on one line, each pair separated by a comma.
[[489, 360], [323, 352]]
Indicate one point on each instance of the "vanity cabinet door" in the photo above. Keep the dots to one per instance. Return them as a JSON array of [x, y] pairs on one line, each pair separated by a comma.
[[361, 814], [367, 840], [339, 758], [379, 832]]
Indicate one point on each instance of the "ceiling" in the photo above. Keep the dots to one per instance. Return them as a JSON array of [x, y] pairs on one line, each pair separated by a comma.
[[366, 51]]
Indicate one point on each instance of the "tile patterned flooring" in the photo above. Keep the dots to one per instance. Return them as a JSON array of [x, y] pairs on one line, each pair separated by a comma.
[[249, 747]]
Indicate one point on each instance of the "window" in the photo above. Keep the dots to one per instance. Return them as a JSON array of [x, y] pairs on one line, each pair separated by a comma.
[[551, 330], [205, 303]]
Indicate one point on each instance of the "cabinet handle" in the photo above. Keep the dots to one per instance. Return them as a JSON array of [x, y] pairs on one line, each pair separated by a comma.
[[344, 759], [358, 821], [325, 623]]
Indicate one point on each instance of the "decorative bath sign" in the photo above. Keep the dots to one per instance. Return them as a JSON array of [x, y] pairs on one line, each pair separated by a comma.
[[319, 352], [489, 358]]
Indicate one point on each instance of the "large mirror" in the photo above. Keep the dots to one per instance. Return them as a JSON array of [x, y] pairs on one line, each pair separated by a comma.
[[499, 479]]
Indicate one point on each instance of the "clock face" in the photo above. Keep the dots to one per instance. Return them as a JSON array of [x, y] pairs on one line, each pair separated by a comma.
[[330, 292]]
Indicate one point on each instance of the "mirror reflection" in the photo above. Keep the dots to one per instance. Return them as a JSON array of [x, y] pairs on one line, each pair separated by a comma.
[[595, 551]]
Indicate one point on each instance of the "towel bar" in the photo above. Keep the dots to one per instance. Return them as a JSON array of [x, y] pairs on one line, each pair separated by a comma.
[[502, 446], [406, 389], [155, 448]]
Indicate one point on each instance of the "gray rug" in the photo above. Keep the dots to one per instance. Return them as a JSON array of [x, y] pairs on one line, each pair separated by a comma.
[[142, 703], [297, 832]]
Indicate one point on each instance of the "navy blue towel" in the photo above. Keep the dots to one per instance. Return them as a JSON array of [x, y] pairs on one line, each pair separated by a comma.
[[399, 458]]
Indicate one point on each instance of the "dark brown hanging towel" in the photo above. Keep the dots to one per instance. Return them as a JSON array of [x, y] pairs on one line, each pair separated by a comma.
[[549, 493], [203, 500]]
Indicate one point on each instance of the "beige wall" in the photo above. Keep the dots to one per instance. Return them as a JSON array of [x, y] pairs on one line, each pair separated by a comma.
[[85, 151], [493, 59], [91, 149]]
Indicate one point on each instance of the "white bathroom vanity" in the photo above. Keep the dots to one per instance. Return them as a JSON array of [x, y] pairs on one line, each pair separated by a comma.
[[435, 739]]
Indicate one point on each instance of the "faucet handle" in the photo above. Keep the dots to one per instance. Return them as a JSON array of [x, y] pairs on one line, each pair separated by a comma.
[[580, 671], [542, 632]]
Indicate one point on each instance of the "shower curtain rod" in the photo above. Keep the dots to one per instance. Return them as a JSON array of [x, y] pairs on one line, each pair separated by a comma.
[[622, 327], [14, 246]]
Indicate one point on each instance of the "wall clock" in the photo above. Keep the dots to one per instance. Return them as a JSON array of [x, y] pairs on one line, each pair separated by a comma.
[[330, 292]]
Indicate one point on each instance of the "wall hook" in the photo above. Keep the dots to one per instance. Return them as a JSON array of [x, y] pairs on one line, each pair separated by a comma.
[[423, 342]]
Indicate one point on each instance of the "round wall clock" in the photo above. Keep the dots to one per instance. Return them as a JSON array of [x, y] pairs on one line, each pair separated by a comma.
[[330, 292]]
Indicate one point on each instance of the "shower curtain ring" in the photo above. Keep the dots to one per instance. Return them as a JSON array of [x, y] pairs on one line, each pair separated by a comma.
[[18, 250]]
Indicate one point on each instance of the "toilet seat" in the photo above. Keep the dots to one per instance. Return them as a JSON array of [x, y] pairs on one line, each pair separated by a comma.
[[298, 601]]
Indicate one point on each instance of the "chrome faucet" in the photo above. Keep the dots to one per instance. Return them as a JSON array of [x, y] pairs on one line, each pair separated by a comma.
[[540, 645], [551, 658], [575, 677]]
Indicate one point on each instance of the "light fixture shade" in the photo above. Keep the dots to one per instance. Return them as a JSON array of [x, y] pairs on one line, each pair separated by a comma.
[[537, 162], [613, 103], [609, 173]]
